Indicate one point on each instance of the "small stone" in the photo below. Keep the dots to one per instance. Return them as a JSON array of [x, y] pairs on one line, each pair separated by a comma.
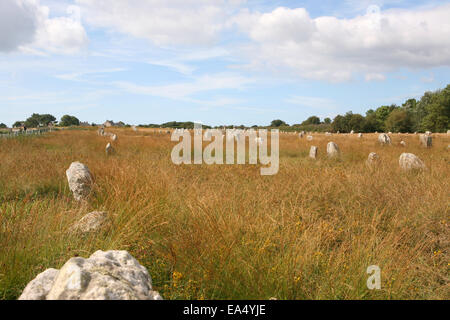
[[313, 152], [373, 158], [309, 138], [332, 149], [91, 222], [403, 143], [109, 149]]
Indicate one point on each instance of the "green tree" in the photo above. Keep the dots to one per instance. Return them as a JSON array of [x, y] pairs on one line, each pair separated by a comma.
[[3, 126], [311, 120], [278, 123], [399, 120], [68, 120], [327, 120]]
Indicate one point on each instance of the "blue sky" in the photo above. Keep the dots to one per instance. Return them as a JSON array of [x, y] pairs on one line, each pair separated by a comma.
[[217, 61]]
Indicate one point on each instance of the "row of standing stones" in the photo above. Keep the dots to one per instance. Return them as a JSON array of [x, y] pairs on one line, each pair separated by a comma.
[[105, 275], [407, 161], [116, 275]]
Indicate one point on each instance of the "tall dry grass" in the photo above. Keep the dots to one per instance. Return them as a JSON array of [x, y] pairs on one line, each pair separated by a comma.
[[225, 231]]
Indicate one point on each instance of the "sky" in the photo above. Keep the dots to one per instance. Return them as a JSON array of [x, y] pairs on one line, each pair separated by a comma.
[[217, 61]]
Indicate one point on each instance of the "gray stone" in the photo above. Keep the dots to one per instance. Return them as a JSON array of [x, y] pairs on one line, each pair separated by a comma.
[[332, 149], [80, 180], [408, 161], [110, 275], [39, 287]]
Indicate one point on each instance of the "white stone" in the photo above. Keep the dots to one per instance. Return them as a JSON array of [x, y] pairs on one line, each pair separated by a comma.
[[39, 287], [114, 137], [110, 275], [80, 180], [352, 132], [373, 158], [403, 143], [313, 152], [383, 138], [408, 161], [360, 135], [309, 138], [332, 149]]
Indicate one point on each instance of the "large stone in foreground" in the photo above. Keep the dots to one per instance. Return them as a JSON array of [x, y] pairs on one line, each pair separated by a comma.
[[408, 161], [110, 275], [80, 180]]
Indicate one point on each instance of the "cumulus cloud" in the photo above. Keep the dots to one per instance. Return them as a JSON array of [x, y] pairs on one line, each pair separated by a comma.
[[175, 22], [335, 49], [26, 25], [18, 22]]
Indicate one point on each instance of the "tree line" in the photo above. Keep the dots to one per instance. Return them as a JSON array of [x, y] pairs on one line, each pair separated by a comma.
[[430, 113], [44, 120]]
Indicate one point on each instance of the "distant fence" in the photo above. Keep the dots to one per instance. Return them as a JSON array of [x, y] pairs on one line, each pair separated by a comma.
[[12, 133]]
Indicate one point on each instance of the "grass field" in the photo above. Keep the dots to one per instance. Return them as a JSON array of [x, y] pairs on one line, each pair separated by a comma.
[[225, 231]]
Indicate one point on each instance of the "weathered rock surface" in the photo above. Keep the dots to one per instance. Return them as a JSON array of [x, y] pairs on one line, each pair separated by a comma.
[[426, 140], [373, 159], [332, 149], [110, 275], [38, 288], [313, 152], [80, 180], [383, 138], [91, 222], [408, 161]]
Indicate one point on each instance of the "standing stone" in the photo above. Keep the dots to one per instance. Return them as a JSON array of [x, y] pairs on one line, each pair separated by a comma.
[[300, 135], [352, 132], [110, 275], [80, 180], [134, 128], [109, 149], [309, 138], [360, 135], [383, 138], [313, 152], [403, 143], [327, 133], [114, 137], [426, 140], [332, 149], [448, 132], [373, 159], [101, 132], [408, 161], [428, 133], [91, 222]]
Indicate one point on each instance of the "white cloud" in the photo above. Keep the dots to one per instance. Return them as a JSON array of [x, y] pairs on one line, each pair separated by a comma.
[[312, 102], [25, 25], [184, 90], [328, 48], [375, 77], [175, 22]]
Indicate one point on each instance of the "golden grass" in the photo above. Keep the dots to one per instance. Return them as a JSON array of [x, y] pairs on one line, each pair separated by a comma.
[[225, 231]]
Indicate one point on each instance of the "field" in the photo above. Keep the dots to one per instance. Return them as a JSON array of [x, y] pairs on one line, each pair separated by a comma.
[[225, 231]]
